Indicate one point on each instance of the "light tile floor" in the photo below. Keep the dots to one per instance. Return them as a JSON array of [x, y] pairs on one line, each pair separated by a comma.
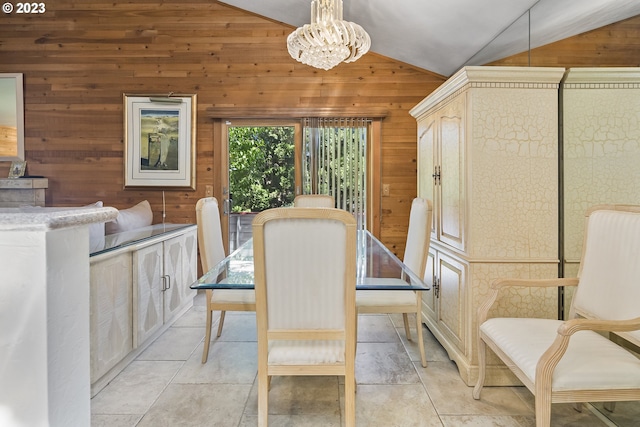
[[168, 386]]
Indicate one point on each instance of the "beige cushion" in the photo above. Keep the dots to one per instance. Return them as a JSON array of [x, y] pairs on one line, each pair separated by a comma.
[[285, 242], [416, 249], [209, 233], [305, 352], [591, 361], [378, 298], [610, 261], [137, 216], [233, 296]]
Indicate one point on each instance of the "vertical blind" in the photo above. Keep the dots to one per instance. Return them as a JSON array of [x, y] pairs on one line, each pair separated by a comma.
[[335, 162]]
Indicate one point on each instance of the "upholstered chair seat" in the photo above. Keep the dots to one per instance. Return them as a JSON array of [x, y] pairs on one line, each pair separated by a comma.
[[590, 362]]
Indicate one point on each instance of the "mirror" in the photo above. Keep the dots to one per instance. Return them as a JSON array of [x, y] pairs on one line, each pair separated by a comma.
[[11, 117]]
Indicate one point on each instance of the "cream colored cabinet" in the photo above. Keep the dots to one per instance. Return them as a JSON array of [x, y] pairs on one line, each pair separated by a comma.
[[601, 139], [111, 310], [444, 303], [162, 277], [488, 159], [139, 285], [441, 146]]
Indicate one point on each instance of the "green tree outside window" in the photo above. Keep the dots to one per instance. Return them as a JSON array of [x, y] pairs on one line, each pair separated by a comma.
[[261, 173]]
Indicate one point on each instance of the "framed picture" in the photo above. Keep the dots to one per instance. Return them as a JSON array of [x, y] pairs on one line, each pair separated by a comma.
[[159, 141], [17, 169], [11, 117]]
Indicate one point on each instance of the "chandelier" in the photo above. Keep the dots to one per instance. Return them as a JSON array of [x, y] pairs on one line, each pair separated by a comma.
[[328, 40]]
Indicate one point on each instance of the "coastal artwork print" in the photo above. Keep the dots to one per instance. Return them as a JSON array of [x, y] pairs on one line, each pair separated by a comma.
[[11, 117]]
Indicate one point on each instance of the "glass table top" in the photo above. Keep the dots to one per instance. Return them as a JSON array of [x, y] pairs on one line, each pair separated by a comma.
[[111, 242], [377, 269]]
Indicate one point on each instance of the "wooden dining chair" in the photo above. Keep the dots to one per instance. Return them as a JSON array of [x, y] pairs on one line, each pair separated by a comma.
[[415, 257], [572, 360], [305, 281], [314, 201], [211, 253]]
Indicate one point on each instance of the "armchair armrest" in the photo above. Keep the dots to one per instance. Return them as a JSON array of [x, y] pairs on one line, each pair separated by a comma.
[[534, 283], [496, 285], [550, 359], [572, 326]]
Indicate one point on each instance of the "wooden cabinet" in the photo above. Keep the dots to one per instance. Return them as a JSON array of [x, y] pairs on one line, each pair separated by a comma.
[[601, 141], [111, 312], [163, 273], [444, 305], [488, 159], [441, 146], [139, 285]]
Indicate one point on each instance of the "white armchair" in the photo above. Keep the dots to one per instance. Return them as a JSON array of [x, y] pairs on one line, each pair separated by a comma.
[[305, 281], [569, 361]]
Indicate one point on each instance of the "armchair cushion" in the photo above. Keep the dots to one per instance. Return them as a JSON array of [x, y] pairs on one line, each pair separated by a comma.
[[591, 362]]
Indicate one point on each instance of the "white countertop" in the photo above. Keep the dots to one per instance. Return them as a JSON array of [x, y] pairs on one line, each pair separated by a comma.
[[38, 218]]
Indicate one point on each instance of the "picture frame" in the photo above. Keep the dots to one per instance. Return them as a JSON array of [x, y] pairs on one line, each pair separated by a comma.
[[17, 169], [159, 141], [11, 117]]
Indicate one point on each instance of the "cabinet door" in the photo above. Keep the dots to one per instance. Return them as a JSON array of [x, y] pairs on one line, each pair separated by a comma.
[[451, 306], [426, 164], [111, 323], [148, 287], [180, 269], [430, 298], [452, 169]]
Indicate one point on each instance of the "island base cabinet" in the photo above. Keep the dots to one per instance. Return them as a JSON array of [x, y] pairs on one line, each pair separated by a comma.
[[164, 272], [111, 312]]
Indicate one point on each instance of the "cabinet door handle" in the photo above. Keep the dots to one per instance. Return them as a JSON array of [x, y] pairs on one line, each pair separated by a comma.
[[166, 282], [436, 175]]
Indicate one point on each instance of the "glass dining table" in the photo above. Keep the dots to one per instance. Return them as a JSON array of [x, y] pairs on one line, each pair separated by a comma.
[[377, 269]]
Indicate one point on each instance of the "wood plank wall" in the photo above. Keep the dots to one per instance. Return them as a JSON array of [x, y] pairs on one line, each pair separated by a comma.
[[615, 45], [81, 56]]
